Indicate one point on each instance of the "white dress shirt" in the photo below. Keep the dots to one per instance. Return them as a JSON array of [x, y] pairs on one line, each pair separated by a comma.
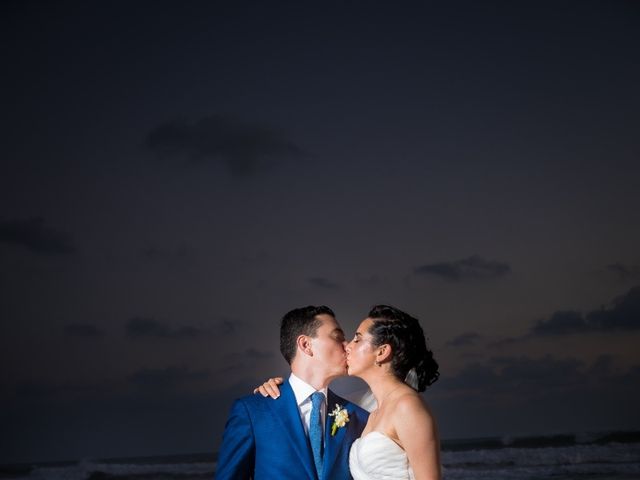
[[302, 392]]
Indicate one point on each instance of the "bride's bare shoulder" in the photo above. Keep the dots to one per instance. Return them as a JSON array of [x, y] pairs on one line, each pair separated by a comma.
[[410, 406]]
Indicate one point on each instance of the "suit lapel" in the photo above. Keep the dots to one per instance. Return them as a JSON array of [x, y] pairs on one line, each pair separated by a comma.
[[332, 444], [286, 411]]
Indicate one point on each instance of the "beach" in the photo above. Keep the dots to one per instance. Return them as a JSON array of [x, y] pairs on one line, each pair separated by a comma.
[[601, 456]]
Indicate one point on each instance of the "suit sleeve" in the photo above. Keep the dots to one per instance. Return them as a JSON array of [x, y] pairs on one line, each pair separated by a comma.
[[236, 457]]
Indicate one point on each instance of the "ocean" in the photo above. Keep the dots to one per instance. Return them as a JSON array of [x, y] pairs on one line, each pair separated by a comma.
[[602, 456]]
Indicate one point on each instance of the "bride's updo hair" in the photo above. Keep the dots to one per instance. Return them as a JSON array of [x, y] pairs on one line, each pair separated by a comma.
[[411, 360]]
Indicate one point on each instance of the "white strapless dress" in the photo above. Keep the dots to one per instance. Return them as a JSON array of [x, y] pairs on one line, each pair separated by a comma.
[[376, 457]]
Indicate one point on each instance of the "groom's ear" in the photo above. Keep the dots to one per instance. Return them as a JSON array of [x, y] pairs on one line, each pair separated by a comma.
[[303, 342]]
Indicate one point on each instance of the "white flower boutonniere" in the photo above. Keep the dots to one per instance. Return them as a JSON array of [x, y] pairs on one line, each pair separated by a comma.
[[341, 418]]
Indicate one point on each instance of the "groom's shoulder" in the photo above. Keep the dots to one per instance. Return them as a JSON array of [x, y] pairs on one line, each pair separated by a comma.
[[251, 408], [253, 401]]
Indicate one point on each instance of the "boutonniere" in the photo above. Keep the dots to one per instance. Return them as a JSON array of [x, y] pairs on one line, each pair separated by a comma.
[[341, 417]]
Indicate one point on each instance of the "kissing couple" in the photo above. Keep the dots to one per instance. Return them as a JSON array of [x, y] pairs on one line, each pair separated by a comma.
[[308, 432]]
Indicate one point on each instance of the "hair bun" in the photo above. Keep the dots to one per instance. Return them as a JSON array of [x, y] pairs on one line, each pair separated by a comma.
[[412, 361]]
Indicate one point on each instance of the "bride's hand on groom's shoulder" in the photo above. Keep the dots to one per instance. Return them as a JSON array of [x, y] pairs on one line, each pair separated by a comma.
[[270, 387]]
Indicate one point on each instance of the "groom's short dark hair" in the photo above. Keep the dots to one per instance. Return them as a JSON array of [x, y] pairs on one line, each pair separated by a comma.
[[300, 321]]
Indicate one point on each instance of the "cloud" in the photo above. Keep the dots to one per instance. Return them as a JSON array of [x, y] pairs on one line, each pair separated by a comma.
[[228, 326], [471, 268], [325, 283], [556, 393], [623, 314], [506, 341], [83, 330], [167, 378], [142, 327], [545, 372], [624, 272], [32, 234], [602, 367], [560, 323], [473, 376], [243, 147], [520, 375], [464, 340]]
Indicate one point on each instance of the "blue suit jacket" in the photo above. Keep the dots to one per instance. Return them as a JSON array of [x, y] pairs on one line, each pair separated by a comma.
[[264, 439]]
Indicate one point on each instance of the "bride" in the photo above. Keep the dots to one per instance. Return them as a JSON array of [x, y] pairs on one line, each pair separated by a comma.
[[400, 441]]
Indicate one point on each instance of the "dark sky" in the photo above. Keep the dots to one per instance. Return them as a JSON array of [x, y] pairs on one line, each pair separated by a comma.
[[177, 175]]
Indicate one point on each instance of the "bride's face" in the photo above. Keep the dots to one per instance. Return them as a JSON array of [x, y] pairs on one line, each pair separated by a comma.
[[360, 352]]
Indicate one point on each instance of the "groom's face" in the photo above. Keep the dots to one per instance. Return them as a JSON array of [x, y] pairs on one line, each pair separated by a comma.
[[328, 347]]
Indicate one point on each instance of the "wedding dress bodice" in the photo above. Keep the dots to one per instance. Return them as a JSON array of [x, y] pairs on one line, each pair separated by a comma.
[[376, 457]]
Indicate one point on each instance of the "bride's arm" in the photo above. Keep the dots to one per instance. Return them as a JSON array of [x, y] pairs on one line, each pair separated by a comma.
[[418, 434]]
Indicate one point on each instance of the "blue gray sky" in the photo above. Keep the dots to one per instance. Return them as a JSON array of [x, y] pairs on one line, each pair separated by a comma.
[[175, 177]]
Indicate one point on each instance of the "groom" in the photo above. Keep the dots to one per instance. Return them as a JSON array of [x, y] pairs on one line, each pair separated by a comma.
[[294, 437]]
